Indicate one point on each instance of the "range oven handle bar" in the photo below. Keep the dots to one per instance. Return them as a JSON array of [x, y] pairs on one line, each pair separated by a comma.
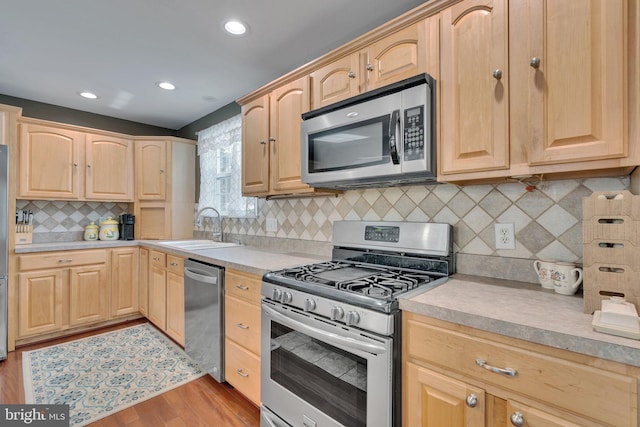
[[329, 337]]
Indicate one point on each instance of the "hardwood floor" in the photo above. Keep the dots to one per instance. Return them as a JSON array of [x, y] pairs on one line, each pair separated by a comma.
[[202, 402]]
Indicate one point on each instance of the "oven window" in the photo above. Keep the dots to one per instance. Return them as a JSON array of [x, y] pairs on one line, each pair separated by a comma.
[[356, 145], [326, 377]]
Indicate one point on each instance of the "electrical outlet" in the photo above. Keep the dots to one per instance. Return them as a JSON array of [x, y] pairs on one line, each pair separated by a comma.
[[505, 236], [272, 225]]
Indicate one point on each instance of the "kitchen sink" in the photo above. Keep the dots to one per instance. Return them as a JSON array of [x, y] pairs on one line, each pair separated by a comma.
[[190, 245]]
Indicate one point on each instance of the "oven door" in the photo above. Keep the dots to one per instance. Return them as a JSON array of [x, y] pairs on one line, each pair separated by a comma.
[[317, 373]]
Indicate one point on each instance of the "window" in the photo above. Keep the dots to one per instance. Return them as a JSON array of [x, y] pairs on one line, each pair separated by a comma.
[[220, 152]]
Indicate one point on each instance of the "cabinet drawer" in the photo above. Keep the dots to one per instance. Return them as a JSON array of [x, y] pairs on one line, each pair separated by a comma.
[[175, 264], [61, 259], [243, 285], [242, 370], [242, 323], [158, 259], [589, 391]]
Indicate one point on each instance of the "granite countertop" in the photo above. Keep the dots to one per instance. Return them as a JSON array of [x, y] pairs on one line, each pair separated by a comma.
[[250, 259], [524, 311]]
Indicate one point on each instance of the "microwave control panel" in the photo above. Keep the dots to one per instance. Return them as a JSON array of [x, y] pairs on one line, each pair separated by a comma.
[[414, 133]]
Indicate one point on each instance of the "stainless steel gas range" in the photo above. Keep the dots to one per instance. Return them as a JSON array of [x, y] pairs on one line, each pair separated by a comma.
[[330, 345]]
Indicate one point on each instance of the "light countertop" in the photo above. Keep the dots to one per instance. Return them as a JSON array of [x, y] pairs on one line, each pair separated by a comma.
[[521, 310]]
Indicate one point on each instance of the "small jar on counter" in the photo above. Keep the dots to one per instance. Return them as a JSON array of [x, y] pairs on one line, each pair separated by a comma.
[[109, 229], [91, 231]]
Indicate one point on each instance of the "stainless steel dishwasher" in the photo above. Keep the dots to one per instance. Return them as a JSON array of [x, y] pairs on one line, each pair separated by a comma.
[[204, 316]]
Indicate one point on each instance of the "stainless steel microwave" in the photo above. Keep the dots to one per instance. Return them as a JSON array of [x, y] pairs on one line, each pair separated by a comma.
[[382, 138]]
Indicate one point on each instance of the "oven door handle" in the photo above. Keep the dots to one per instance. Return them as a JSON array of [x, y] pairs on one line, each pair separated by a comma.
[[329, 337]]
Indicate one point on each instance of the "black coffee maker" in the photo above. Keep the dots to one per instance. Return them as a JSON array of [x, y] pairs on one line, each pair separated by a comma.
[[125, 226]]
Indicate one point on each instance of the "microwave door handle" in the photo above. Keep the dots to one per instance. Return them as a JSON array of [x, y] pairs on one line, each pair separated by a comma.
[[394, 127]]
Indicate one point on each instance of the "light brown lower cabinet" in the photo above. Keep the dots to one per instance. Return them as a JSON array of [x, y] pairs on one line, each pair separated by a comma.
[[242, 333], [447, 381], [166, 294], [62, 290], [124, 281]]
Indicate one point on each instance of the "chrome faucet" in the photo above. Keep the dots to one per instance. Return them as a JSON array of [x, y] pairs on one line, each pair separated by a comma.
[[217, 231]]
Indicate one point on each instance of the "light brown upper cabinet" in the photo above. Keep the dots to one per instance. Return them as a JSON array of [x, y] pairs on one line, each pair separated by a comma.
[[151, 170], [271, 141], [109, 168], [393, 58], [62, 163], [474, 83], [537, 87]]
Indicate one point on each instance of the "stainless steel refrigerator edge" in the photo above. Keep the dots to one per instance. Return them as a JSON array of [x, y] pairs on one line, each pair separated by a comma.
[[204, 316], [4, 246]]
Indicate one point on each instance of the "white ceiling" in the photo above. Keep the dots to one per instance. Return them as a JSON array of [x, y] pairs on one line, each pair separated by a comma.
[[119, 49]]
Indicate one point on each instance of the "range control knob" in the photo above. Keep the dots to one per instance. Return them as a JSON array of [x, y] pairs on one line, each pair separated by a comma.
[[352, 318], [337, 313], [277, 294], [309, 304], [286, 297]]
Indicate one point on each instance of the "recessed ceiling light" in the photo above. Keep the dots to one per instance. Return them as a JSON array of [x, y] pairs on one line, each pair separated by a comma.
[[88, 95], [235, 27], [166, 86]]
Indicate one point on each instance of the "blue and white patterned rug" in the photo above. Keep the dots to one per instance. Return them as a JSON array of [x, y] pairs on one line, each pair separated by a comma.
[[103, 374]]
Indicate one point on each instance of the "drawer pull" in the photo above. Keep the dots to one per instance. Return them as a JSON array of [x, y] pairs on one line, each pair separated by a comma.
[[471, 400], [517, 419], [175, 264], [65, 260], [242, 325], [504, 371], [242, 287], [241, 373]]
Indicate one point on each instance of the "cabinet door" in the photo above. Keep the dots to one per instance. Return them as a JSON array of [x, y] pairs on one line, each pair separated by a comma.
[[40, 302], [396, 57], [158, 297], [109, 169], [175, 307], [124, 281], [435, 400], [88, 294], [336, 81], [578, 92], [50, 163], [255, 147], [474, 87], [288, 102], [143, 282], [153, 221], [151, 170]]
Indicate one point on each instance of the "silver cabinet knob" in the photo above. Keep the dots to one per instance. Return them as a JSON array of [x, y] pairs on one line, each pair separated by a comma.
[[309, 304], [351, 75], [352, 318], [277, 294], [89, 166], [263, 142], [497, 74], [471, 400], [369, 67], [517, 419], [272, 139], [286, 297], [535, 62], [75, 165], [337, 313]]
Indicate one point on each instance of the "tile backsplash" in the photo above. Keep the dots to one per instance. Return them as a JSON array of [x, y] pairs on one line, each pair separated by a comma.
[[547, 220]]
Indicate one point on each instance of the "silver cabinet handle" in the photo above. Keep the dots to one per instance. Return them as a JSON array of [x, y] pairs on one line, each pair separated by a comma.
[[89, 166], [369, 67], [471, 400], [517, 419], [241, 373], [242, 287], [242, 325], [161, 170], [263, 142], [497, 74], [351, 75], [272, 139], [75, 165], [535, 62], [65, 260], [504, 371], [175, 264]]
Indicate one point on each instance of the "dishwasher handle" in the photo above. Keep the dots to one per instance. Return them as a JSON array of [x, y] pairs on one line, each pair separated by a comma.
[[210, 280]]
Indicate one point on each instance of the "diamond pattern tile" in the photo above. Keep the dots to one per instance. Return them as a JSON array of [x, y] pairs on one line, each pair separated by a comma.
[[547, 220]]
